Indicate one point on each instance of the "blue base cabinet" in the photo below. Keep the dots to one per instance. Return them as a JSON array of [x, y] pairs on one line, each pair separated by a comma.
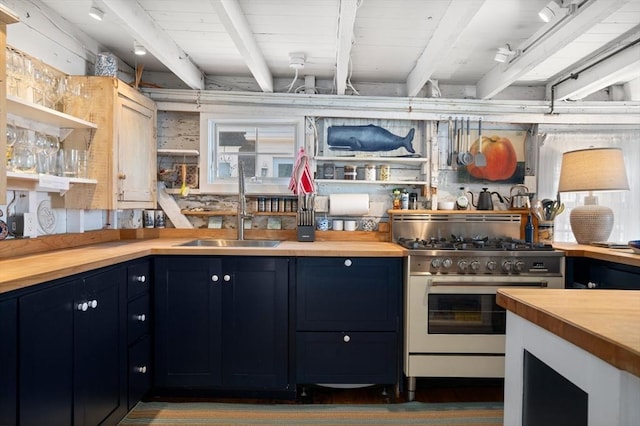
[[348, 321], [63, 345], [589, 273], [222, 323]]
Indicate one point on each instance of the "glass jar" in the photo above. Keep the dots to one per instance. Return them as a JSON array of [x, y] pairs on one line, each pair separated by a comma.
[[350, 172], [369, 172], [23, 157]]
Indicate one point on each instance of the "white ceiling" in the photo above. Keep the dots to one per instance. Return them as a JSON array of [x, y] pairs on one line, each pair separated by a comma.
[[350, 43]]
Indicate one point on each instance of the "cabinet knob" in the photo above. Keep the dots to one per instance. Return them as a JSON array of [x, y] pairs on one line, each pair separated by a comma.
[[348, 263], [122, 176], [82, 306], [140, 278], [142, 369], [591, 284], [346, 338], [93, 304], [227, 278], [141, 317], [215, 278]]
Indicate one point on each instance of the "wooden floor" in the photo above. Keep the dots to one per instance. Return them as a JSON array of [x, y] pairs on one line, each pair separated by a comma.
[[427, 390]]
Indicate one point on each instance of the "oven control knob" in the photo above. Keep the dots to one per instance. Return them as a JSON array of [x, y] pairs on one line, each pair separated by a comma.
[[475, 266], [518, 266], [446, 263], [506, 266], [491, 265], [436, 262], [463, 265]]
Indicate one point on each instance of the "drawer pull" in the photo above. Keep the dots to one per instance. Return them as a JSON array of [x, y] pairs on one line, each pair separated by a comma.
[[93, 304], [82, 306], [215, 278], [141, 317], [591, 284], [346, 338], [142, 369], [140, 278], [227, 278], [348, 263]]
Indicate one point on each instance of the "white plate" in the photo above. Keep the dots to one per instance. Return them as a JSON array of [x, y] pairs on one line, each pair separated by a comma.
[[46, 217]]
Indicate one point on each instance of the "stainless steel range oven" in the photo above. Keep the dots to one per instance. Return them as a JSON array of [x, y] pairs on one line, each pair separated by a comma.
[[456, 263]]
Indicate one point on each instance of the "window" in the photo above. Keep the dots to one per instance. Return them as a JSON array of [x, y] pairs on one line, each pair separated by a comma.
[[267, 149], [625, 204]]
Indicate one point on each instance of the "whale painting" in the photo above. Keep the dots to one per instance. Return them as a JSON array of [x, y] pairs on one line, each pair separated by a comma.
[[367, 138]]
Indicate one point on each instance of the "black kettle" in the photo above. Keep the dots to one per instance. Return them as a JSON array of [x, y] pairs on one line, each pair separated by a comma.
[[484, 200]]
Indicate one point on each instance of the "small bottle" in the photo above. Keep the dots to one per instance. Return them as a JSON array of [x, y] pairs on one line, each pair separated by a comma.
[[413, 201], [528, 230], [404, 200]]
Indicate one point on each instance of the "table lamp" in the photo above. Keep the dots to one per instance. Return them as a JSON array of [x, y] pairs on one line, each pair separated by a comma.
[[593, 169]]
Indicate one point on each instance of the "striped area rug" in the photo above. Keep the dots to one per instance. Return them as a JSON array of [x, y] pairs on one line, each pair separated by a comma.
[[407, 413]]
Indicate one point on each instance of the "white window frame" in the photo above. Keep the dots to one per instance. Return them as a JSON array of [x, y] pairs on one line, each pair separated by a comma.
[[254, 185]]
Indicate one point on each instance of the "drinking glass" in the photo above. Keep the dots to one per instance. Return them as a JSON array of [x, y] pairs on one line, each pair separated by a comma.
[[70, 162], [12, 137], [42, 156], [53, 146], [24, 154]]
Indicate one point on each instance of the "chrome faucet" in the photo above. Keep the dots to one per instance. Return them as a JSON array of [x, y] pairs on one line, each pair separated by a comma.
[[242, 202]]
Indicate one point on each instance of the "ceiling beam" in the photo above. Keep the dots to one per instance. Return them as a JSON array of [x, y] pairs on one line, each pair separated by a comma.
[[235, 22], [622, 67], [143, 29], [346, 22], [458, 15], [548, 44]]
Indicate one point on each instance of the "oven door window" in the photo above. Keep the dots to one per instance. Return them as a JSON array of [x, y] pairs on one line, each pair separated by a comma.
[[465, 314]]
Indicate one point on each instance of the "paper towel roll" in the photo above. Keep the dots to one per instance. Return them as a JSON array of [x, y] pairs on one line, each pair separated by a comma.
[[348, 204]]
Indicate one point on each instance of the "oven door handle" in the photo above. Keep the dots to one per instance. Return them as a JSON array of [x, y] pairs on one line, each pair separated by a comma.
[[432, 283]]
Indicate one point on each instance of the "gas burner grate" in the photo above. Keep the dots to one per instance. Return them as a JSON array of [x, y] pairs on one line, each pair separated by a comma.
[[475, 244]]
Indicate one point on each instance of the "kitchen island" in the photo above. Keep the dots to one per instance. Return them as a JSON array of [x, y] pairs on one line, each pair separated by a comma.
[[585, 345]]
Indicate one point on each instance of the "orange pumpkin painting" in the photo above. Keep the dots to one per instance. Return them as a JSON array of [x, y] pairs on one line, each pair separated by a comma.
[[501, 158]]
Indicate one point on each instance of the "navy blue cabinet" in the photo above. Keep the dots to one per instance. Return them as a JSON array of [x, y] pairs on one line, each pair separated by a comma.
[[71, 351], [8, 362], [46, 356], [222, 322], [139, 332], [348, 320], [589, 273]]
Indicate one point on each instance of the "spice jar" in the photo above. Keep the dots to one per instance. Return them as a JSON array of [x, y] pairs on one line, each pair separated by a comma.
[[385, 172], [369, 172], [350, 172]]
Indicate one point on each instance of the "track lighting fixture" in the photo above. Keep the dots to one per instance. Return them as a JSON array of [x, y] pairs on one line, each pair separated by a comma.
[[503, 54], [95, 12], [550, 11], [139, 49]]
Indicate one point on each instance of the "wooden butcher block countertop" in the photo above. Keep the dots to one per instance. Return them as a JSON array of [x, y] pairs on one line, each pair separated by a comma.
[[19, 272], [605, 323], [624, 256]]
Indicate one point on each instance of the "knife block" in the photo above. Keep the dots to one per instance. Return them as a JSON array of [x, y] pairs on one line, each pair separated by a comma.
[[306, 233]]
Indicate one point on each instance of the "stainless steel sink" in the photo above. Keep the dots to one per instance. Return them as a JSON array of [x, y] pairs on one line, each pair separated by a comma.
[[231, 243]]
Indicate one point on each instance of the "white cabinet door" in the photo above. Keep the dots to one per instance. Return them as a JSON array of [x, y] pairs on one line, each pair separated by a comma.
[[136, 158]]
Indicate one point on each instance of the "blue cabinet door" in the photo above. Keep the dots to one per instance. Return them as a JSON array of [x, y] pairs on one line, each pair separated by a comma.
[[187, 292], [100, 351], [46, 356], [8, 362], [255, 317]]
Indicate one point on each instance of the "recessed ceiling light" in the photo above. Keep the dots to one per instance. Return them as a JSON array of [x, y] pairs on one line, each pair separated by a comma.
[[96, 13]]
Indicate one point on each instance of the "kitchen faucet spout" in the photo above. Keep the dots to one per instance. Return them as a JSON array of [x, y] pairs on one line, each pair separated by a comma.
[[242, 202]]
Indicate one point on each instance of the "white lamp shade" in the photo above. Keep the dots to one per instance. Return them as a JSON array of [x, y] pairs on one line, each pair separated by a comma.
[[595, 169]]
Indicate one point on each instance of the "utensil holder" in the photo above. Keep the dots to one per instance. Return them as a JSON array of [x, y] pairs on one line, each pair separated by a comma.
[[306, 233]]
